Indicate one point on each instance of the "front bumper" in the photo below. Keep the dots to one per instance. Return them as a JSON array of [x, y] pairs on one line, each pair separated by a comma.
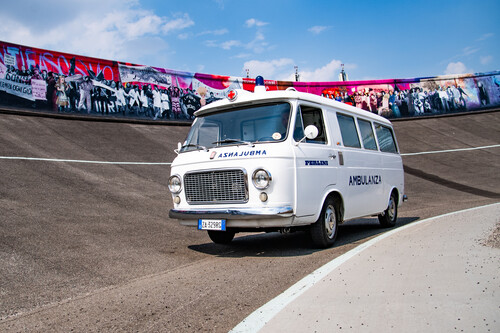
[[233, 214]]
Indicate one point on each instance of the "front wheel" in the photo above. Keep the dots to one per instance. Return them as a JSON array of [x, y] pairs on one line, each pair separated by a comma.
[[221, 237], [324, 230], [388, 218]]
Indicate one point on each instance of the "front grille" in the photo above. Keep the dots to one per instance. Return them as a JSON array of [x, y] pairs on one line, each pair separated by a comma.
[[218, 186]]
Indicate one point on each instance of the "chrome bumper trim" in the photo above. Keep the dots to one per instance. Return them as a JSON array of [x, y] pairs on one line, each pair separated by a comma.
[[236, 214]]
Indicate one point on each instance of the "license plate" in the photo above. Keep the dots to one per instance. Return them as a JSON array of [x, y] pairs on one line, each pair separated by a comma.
[[204, 224]]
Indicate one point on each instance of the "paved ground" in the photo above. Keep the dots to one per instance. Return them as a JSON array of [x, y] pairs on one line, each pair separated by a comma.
[[90, 247], [407, 281]]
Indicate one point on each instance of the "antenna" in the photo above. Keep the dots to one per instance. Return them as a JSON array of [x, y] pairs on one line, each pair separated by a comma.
[[342, 74]]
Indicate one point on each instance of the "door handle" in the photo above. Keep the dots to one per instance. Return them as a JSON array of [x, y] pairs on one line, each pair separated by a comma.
[[341, 158]]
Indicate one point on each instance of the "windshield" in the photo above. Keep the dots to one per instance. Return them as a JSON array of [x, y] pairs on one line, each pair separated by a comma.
[[247, 125]]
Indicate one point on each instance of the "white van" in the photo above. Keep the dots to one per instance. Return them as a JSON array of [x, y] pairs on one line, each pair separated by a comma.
[[285, 161]]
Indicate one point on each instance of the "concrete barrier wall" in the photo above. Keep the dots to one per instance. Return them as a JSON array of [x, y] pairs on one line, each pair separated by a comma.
[[51, 81]]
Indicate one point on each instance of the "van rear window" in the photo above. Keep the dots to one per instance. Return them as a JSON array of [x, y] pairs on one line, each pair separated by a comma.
[[386, 139]]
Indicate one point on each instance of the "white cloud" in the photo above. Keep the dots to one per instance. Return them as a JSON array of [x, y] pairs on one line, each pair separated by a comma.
[[283, 69], [469, 50], [214, 32], [220, 3], [229, 44], [77, 28], [242, 56], [456, 68], [329, 72], [277, 69], [147, 24], [317, 29], [210, 43], [486, 36], [258, 44], [179, 23], [254, 22], [485, 60]]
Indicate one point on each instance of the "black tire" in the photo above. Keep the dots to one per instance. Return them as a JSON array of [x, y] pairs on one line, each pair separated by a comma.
[[388, 218], [221, 237], [324, 230]]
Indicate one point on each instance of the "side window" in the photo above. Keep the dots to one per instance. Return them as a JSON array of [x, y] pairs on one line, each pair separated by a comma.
[[365, 127], [386, 139], [348, 131], [298, 132], [306, 116]]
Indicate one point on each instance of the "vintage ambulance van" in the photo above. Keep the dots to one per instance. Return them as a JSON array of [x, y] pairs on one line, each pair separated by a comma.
[[285, 161]]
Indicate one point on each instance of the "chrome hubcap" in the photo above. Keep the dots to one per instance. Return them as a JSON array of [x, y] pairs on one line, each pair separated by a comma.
[[391, 210], [330, 224]]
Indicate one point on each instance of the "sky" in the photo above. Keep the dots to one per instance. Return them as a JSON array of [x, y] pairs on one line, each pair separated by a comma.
[[273, 38]]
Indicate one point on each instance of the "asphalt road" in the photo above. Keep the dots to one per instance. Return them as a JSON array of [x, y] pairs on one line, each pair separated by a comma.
[[90, 247]]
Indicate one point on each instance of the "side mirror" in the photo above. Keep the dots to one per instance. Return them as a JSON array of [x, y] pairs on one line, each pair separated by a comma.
[[310, 132], [179, 146]]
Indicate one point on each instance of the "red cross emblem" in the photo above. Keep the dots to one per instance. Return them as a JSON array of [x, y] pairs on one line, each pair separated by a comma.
[[231, 95]]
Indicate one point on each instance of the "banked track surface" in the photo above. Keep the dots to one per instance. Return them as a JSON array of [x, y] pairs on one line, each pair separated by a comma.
[[90, 247]]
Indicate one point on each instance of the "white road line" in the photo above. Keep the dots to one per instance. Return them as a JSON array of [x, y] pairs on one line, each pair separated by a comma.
[[449, 150], [260, 317], [169, 163], [80, 161]]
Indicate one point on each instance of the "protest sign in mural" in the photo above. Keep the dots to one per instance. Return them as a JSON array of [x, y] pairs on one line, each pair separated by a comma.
[[61, 82]]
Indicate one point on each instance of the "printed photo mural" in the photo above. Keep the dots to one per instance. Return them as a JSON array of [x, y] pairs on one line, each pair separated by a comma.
[[56, 82]]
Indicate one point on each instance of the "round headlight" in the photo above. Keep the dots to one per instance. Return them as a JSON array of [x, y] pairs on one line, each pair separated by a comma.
[[174, 184], [261, 179]]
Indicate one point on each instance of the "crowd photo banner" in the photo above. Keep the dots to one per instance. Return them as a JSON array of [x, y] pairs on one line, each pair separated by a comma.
[[56, 82]]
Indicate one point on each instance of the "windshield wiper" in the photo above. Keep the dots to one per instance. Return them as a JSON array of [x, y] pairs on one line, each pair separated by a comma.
[[233, 141], [195, 145]]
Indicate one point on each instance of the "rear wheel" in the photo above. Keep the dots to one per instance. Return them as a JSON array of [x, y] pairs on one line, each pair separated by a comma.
[[221, 237], [390, 215], [324, 230]]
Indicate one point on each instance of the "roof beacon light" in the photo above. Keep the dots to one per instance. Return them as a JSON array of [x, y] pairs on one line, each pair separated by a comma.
[[259, 85]]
